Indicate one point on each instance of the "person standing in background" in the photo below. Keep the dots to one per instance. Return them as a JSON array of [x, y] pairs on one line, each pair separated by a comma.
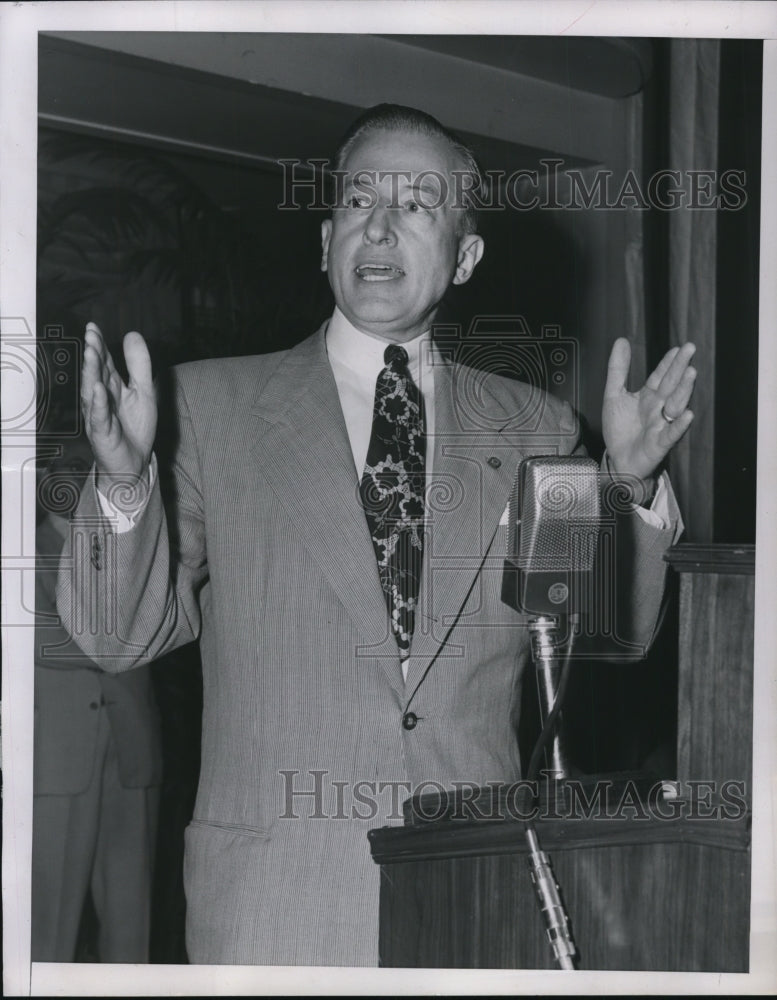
[[97, 765]]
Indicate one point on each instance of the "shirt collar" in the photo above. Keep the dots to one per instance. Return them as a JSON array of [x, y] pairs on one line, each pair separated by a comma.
[[363, 353]]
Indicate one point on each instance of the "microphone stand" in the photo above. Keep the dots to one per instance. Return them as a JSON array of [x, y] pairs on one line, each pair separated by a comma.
[[552, 675], [543, 632]]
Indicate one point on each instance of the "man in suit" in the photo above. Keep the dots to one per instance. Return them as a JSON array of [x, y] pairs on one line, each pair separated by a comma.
[[97, 766], [330, 690]]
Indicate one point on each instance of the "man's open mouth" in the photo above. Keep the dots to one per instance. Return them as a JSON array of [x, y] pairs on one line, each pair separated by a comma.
[[378, 272]]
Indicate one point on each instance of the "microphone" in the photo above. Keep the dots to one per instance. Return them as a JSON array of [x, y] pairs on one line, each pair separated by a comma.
[[554, 513]]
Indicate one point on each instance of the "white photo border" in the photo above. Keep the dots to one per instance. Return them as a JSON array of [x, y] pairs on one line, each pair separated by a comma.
[[19, 27]]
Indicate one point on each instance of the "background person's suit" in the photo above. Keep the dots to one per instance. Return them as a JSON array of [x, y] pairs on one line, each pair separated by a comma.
[[96, 767], [274, 571]]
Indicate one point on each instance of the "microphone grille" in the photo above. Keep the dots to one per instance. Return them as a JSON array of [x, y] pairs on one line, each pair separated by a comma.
[[555, 503]]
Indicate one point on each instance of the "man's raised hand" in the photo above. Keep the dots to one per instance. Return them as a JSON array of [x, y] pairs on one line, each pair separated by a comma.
[[640, 428], [120, 419]]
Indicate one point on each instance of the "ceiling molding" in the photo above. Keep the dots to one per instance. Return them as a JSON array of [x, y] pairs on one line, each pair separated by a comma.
[[112, 93], [356, 71]]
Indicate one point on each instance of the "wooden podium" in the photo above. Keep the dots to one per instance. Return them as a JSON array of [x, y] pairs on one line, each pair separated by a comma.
[[644, 889]]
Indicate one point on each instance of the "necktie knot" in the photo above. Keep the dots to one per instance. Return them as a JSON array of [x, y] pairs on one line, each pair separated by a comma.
[[395, 356]]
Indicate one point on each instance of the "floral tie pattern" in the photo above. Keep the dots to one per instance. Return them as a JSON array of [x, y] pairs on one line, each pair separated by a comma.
[[392, 490]]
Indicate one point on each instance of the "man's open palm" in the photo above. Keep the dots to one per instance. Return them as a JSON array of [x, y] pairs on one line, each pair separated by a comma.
[[641, 427], [120, 418]]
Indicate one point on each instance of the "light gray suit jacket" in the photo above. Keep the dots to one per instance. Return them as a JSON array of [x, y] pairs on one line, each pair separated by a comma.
[[265, 557]]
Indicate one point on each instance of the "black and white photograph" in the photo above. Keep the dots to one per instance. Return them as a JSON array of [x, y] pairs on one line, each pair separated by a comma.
[[388, 431]]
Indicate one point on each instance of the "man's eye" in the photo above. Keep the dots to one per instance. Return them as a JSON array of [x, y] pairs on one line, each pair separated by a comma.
[[357, 201], [412, 206]]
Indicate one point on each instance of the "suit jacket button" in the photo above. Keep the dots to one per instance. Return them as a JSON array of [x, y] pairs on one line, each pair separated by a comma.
[[94, 704], [409, 720], [494, 462]]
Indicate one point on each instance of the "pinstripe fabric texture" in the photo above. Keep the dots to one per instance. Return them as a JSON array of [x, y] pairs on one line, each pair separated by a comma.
[[265, 557]]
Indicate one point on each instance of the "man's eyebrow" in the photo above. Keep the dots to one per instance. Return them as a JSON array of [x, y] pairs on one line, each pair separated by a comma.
[[430, 182], [359, 180]]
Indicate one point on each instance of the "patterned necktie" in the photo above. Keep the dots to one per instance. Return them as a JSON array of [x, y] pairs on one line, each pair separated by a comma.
[[392, 490]]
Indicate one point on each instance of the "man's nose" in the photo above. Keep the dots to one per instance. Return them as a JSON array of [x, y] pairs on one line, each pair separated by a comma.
[[379, 227]]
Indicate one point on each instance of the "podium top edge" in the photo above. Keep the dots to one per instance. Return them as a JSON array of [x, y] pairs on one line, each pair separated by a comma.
[[712, 557]]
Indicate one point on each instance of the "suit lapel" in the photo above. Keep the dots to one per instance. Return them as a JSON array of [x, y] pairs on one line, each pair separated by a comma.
[[475, 464], [303, 450]]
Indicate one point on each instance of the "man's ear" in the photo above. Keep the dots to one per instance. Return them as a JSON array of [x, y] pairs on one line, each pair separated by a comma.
[[326, 235], [471, 249]]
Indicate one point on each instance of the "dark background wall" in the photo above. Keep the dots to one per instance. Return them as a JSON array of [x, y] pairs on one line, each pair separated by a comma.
[[736, 332]]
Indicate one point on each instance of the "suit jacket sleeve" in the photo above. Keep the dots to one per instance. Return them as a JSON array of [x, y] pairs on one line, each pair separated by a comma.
[[129, 598], [639, 574], [632, 571]]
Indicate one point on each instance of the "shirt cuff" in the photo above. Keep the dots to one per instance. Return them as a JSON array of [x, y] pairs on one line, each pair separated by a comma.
[[657, 514], [123, 521]]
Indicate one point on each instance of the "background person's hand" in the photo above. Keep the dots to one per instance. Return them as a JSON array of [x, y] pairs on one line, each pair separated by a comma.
[[120, 419], [640, 428]]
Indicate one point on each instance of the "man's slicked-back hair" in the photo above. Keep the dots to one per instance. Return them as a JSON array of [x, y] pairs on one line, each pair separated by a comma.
[[398, 118]]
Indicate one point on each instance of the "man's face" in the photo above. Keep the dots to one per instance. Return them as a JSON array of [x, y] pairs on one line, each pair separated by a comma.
[[391, 248]]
